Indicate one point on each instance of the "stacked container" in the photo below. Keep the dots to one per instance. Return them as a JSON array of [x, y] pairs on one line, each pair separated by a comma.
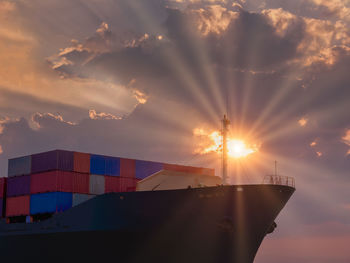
[[54, 181], [2, 196]]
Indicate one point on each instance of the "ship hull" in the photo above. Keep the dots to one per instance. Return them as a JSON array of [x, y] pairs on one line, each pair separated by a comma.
[[209, 225]]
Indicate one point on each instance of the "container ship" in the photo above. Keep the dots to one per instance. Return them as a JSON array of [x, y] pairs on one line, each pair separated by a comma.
[[74, 207]]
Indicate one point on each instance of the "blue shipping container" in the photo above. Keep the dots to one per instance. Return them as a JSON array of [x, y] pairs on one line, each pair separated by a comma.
[[145, 168], [112, 166], [19, 166], [97, 164], [50, 202], [52, 160]]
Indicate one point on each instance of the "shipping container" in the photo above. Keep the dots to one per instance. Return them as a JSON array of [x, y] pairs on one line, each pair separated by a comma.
[[17, 206], [19, 166], [81, 183], [53, 181], [81, 198], [112, 166], [19, 185], [82, 162], [50, 202], [53, 160], [112, 184], [3, 187], [1, 207], [144, 168], [97, 184], [59, 181], [128, 184], [97, 164], [127, 168]]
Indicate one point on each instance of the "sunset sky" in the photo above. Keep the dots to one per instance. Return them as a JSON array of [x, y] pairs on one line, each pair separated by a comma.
[[151, 79]]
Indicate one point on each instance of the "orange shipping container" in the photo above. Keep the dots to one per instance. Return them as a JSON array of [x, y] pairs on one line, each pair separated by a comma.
[[81, 162], [18, 206]]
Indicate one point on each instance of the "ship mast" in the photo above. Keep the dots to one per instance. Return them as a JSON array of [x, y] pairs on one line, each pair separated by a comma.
[[225, 124]]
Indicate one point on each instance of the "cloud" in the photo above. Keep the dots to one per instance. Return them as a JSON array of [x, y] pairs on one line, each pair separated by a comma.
[[46, 120], [303, 121], [140, 96], [214, 19], [313, 144], [337, 8], [102, 116], [346, 140]]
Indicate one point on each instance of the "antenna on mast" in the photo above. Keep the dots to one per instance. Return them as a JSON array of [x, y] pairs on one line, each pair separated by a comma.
[[275, 168], [225, 124]]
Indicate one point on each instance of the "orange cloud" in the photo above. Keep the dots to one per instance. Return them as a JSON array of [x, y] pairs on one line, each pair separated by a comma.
[[102, 116], [323, 38], [346, 140], [215, 19], [303, 121], [280, 19], [314, 143], [140, 96]]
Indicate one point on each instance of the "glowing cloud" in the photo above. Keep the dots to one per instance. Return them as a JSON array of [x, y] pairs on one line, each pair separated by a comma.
[[140, 96], [314, 143], [303, 121], [102, 116], [346, 140], [215, 19], [319, 154], [211, 142]]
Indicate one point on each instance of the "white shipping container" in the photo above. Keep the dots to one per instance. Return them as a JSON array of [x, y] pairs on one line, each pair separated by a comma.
[[97, 184]]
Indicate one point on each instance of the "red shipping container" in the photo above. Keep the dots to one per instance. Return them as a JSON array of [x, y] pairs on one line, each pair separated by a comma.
[[120, 184], [81, 162], [18, 206], [127, 184], [81, 183], [2, 187], [54, 181], [112, 184], [59, 181], [127, 168]]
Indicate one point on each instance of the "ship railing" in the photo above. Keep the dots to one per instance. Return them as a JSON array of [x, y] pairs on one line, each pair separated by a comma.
[[279, 180]]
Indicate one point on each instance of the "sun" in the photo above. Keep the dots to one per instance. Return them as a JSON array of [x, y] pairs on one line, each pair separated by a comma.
[[212, 142], [238, 149]]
